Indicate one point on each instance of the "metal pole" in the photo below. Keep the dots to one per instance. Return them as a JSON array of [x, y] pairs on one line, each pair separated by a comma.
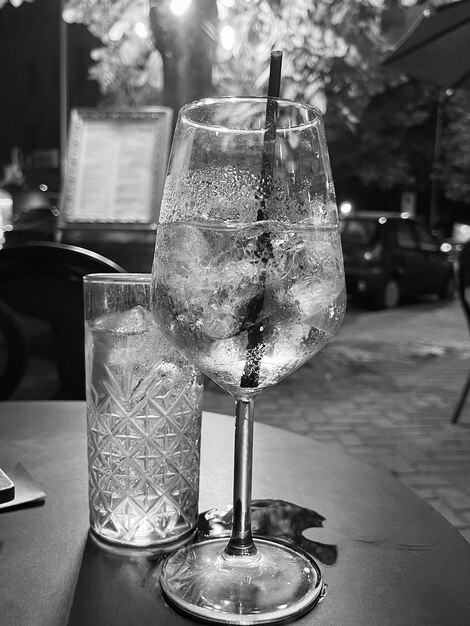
[[63, 89], [434, 204]]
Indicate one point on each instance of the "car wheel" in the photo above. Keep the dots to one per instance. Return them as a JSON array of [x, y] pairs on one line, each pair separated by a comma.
[[390, 295], [447, 290]]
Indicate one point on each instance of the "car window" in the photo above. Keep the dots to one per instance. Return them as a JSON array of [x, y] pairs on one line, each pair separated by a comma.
[[362, 232], [405, 236], [426, 240]]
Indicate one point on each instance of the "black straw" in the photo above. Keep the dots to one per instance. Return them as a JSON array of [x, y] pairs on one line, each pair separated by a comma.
[[264, 251], [274, 85], [269, 142]]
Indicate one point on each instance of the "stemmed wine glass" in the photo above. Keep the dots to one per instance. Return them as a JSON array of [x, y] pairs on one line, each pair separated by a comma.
[[248, 283]]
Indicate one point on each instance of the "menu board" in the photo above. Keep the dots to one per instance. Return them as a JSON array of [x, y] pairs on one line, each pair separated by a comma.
[[116, 166]]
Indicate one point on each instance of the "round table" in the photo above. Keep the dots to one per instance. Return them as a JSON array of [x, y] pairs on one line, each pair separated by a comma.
[[388, 557]]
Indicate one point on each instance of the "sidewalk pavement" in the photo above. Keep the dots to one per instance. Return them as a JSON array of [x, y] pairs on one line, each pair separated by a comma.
[[384, 390]]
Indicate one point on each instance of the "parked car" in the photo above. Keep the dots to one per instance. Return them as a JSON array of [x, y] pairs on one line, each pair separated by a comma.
[[389, 258]]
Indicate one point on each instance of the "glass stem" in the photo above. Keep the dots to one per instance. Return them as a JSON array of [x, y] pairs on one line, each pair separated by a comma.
[[241, 541]]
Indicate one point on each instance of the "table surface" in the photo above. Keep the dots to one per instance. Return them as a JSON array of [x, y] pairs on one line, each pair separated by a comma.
[[388, 557]]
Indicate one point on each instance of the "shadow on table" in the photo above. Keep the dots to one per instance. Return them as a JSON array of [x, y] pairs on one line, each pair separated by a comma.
[[274, 518], [119, 585]]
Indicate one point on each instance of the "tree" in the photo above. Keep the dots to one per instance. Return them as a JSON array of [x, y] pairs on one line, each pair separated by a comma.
[[380, 126], [453, 168], [393, 146], [187, 48], [332, 48], [332, 51]]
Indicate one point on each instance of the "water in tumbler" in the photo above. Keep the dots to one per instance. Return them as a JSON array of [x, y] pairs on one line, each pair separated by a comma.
[[218, 282], [144, 410]]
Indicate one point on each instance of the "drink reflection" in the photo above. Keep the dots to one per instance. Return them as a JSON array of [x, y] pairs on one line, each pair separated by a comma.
[[274, 518]]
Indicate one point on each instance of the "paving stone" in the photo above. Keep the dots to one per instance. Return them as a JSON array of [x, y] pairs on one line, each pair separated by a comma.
[[455, 457], [425, 479], [454, 497], [446, 511], [400, 465], [435, 466], [350, 439], [426, 493], [461, 480]]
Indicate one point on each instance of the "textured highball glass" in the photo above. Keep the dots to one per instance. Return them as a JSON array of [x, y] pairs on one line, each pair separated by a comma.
[[248, 283], [143, 401]]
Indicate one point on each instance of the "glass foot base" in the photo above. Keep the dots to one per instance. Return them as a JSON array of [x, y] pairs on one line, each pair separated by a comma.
[[280, 582], [155, 547]]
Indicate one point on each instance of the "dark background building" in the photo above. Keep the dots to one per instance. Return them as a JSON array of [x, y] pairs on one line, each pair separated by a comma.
[[30, 80]]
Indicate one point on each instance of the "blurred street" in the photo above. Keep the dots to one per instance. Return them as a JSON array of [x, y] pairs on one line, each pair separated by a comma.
[[384, 390]]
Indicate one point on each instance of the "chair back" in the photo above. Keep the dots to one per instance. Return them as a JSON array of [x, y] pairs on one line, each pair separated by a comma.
[[42, 283], [463, 280], [13, 351]]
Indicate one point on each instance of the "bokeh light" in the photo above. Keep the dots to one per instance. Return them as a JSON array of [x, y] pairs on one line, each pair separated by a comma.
[[178, 7], [227, 37]]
